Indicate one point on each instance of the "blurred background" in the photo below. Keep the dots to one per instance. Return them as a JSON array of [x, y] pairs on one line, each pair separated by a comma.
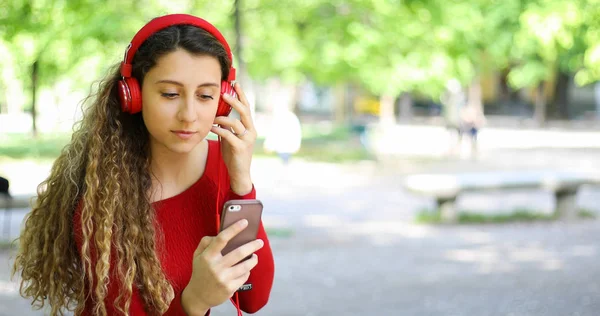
[[497, 101]]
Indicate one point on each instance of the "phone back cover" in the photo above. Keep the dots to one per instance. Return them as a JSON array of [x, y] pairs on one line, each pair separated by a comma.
[[250, 210]]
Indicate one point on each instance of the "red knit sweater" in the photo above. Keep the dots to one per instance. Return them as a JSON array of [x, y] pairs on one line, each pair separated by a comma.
[[184, 219]]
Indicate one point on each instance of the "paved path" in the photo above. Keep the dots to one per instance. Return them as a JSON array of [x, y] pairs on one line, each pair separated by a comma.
[[355, 251], [391, 269]]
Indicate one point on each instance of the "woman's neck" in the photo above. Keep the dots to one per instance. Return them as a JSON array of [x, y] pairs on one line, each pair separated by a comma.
[[172, 173]]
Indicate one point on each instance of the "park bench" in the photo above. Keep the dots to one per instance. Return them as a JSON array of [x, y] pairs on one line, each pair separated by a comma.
[[445, 188]]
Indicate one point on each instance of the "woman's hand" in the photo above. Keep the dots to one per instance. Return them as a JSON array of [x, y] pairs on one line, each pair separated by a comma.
[[215, 278], [239, 137]]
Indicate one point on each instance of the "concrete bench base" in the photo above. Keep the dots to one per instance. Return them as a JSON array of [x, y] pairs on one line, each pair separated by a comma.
[[447, 209], [566, 208], [445, 188]]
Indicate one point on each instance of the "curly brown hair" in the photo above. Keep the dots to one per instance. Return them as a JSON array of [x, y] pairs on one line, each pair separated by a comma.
[[104, 170]]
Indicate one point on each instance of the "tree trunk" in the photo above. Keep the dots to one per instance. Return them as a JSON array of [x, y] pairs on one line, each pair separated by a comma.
[[406, 102], [295, 98], [560, 104], [475, 98], [34, 83], [237, 21], [340, 103], [351, 91], [241, 72], [386, 109], [539, 112], [506, 94], [3, 99]]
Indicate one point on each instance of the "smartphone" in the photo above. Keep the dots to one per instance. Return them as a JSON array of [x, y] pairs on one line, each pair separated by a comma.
[[235, 210]]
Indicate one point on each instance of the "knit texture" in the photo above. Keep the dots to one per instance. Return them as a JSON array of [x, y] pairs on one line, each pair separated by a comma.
[[184, 219]]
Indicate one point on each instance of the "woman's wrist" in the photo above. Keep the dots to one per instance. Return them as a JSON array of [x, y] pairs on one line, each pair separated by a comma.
[[241, 187], [192, 305]]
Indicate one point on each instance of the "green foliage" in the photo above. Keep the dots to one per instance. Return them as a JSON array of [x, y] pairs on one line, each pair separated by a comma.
[[387, 46]]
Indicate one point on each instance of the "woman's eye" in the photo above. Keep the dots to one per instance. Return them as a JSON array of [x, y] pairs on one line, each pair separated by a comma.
[[206, 97], [169, 95]]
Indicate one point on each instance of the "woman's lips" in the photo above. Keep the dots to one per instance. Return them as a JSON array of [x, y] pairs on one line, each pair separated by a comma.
[[184, 134]]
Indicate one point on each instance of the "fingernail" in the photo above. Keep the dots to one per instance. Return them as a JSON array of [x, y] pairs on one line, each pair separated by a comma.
[[261, 243], [244, 222]]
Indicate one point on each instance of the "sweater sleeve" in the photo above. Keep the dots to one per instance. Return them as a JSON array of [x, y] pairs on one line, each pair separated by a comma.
[[261, 276]]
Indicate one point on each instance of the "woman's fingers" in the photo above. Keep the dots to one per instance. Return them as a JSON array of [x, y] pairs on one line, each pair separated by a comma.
[[238, 282], [243, 267], [219, 242], [226, 134], [233, 124], [242, 252], [241, 94], [241, 105]]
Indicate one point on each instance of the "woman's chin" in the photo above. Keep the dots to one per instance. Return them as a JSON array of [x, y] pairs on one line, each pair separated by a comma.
[[182, 148], [179, 147]]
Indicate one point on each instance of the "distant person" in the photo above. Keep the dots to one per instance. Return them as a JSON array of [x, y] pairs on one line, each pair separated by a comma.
[[284, 136], [471, 121], [127, 223], [453, 101]]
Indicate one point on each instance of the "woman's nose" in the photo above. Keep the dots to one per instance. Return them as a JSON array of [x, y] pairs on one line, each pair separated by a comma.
[[187, 111]]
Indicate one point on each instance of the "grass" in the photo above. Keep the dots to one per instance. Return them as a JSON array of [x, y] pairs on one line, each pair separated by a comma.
[[338, 151], [20, 146], [321, 142], [587, 214], [519, 215], [279, 232], [326, 143]]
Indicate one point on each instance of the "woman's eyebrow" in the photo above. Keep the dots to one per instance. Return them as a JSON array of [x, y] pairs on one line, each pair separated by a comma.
[[206, 84]]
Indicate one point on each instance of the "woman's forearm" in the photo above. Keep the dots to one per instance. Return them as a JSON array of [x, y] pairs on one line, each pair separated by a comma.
[[191, 305]]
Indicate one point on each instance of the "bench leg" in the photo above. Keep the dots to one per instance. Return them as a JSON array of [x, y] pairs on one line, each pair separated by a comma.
[[447, 209], [566, 207]]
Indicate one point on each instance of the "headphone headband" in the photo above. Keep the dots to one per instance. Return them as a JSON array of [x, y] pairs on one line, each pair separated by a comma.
[[163, 22]]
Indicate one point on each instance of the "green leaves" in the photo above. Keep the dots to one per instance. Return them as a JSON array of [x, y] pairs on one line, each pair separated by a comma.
[[388, 46]]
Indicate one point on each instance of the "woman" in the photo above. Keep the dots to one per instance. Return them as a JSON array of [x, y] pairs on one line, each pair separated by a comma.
[[126, 222]]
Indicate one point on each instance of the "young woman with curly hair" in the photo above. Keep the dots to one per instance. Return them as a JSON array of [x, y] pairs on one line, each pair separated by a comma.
[[127, 221]]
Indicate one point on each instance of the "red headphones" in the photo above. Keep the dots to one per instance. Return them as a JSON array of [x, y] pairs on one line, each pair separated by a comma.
[[130, 93]]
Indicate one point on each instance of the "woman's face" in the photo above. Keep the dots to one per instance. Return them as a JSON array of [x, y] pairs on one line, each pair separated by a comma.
[[179, 100]]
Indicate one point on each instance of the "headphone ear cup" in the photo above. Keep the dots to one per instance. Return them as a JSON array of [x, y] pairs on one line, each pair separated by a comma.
[[224, 108], [130, 96], [136, 95], [124, 96]]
